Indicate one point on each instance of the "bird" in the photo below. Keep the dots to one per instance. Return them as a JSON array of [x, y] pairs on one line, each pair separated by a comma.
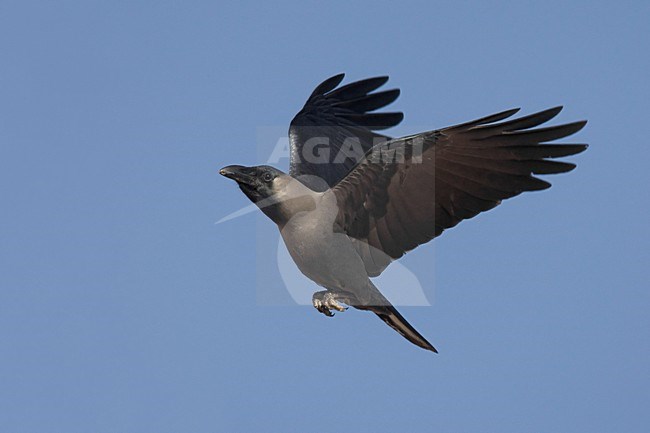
[[356, 200]]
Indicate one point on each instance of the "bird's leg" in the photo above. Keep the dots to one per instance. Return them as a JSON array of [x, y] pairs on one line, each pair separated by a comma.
[[325, 301]]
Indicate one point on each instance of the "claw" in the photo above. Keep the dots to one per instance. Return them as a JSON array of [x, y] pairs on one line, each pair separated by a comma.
[[325, 302], [320, 306], [335, 305]]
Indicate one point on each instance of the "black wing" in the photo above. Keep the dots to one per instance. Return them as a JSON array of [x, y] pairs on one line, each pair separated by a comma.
[[335, 128], [447, 176]]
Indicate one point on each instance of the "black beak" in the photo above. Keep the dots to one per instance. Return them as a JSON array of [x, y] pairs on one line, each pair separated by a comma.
[[237, 173]]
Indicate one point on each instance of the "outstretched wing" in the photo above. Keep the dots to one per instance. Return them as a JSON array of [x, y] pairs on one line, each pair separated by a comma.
[[390, 207], [335, 128]]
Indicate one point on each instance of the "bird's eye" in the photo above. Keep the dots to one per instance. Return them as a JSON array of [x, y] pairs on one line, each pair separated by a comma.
[[268, 177]]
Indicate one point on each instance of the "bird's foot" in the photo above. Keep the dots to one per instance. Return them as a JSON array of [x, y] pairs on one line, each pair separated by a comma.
[[325, 301]]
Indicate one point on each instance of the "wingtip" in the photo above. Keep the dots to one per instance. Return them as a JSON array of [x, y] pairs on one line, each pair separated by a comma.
[[377, 81], [577, 126], [328, 85], [553, 111], [504, 114], [582, 147]]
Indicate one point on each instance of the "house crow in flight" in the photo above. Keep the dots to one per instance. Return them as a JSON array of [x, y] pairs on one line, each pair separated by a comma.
[[355, 200]]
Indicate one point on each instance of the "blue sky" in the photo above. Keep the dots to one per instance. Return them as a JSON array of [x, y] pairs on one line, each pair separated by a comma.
[[125, 308]]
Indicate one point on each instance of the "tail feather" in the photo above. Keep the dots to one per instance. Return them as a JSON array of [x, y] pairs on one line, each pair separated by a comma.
[[373, 300], [395, 320]]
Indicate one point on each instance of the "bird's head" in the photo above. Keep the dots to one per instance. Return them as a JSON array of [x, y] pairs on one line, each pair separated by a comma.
[[276, 193], [258, 182]]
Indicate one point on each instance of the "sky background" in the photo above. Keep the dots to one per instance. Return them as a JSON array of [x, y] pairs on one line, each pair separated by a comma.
[[125, 308]]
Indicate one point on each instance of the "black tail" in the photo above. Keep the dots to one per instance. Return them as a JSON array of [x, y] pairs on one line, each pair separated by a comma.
[[395, 320], [382, 307]]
